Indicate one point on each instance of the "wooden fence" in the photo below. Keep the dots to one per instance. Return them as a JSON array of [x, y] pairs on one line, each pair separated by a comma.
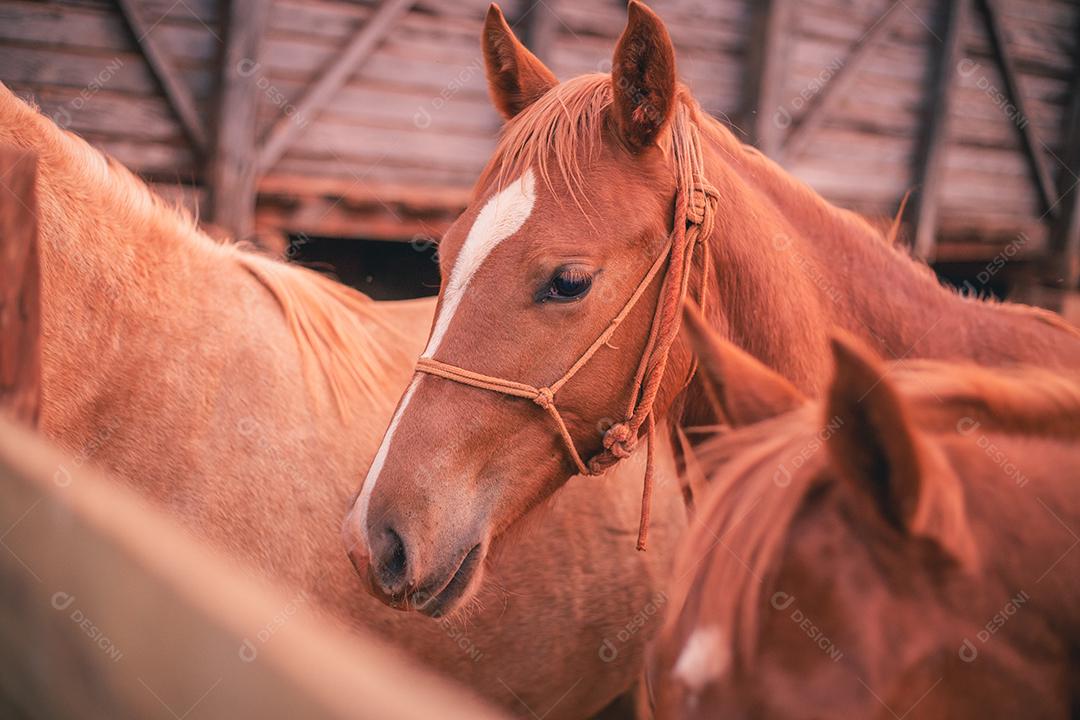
[[107, 609]]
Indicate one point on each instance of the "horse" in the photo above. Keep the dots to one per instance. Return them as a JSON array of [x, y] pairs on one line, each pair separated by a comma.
[[557, 344], [899, 548], [241, 394]]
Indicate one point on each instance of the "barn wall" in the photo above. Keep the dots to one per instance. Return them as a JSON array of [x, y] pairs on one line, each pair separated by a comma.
[[394, 153]]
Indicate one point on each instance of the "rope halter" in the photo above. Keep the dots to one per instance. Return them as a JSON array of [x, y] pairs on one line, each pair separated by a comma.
[[695, 210]]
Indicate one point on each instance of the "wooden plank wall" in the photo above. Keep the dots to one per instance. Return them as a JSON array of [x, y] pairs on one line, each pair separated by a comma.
[[862, 157], [395, 151]]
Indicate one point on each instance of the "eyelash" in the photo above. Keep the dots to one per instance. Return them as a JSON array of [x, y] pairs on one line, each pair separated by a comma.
[[566, 276]]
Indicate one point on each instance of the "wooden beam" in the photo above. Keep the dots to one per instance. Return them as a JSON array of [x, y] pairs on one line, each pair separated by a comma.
[[359, 48], [20, 287], [111, 610], [830, 96], [1064, 269], [232, 173], [935, 136], [1033, 148], [176, 92], [538, 27], [764, 78]]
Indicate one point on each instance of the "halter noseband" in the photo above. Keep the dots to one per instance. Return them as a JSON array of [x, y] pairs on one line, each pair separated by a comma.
[[694, 213]]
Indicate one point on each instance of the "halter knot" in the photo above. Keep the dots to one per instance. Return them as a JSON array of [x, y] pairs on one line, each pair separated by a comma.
[[620, 440], [704, 197], [544, 397]]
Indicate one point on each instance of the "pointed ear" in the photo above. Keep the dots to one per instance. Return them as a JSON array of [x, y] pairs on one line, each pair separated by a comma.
[[877, 446], [643, 77], [745, 390], [516, 77]]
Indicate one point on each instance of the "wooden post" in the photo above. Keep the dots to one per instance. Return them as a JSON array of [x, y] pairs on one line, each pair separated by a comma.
[[1040, 169], [232, 174], [20, 287], [764, 85], [1064, 271], [932, 157], [538, 28]]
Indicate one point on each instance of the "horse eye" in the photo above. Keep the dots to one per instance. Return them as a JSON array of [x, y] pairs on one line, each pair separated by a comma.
[[569, 284]]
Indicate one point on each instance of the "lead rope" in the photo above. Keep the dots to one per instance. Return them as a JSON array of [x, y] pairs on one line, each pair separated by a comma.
[[695, 210]]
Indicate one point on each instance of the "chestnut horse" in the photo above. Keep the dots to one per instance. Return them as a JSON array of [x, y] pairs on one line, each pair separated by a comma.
[[242, 394], [903, 548], [611, 198]]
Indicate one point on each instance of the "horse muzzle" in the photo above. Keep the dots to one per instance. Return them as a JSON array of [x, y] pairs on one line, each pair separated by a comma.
[[409, 578]]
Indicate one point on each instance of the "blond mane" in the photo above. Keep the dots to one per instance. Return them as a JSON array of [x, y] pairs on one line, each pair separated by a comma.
[[763, 474], [334, 325]]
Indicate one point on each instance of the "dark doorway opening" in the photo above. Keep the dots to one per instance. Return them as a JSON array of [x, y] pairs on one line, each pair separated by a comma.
[[383, 270], [1000, 281]]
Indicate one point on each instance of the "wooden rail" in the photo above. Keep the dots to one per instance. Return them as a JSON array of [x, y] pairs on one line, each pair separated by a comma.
[[932, 157], [20, 287], [233, 168], [108, 609]]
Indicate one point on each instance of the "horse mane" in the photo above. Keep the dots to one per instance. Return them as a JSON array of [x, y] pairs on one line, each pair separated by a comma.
[[332, 323], [763, 474], [568, 124], [333, 326]]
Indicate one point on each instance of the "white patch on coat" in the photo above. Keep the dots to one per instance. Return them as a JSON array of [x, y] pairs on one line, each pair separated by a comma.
[[364, 500], [502, 216], [704, 659]]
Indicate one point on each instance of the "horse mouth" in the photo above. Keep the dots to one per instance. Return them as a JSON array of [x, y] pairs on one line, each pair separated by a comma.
[[449, 597]]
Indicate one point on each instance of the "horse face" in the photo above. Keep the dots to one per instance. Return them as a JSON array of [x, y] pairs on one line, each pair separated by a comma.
[[862, 572], [861, 621], [533, 272], [529, 283]]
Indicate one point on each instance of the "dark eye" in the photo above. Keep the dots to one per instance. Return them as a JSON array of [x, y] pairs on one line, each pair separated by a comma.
[[568, 284]]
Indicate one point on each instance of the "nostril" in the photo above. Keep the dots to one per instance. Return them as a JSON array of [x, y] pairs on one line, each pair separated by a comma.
[[396, 561]]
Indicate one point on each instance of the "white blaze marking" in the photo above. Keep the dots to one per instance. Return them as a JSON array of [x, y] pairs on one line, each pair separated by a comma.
[[502, 216], [380, 458], [704, 658]]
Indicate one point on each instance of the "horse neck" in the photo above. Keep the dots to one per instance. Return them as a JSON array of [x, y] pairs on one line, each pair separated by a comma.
[[789, 268], [130, 289], [115, 260], [1031, 495]]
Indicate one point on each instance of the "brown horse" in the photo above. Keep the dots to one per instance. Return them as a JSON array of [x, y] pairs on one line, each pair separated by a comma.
[[609, 199], [904, 548], [242, 395]]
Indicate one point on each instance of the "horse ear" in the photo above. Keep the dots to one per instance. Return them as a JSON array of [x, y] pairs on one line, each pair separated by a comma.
[[516, 78], [877, 446], [744, 389], [643, 77]]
